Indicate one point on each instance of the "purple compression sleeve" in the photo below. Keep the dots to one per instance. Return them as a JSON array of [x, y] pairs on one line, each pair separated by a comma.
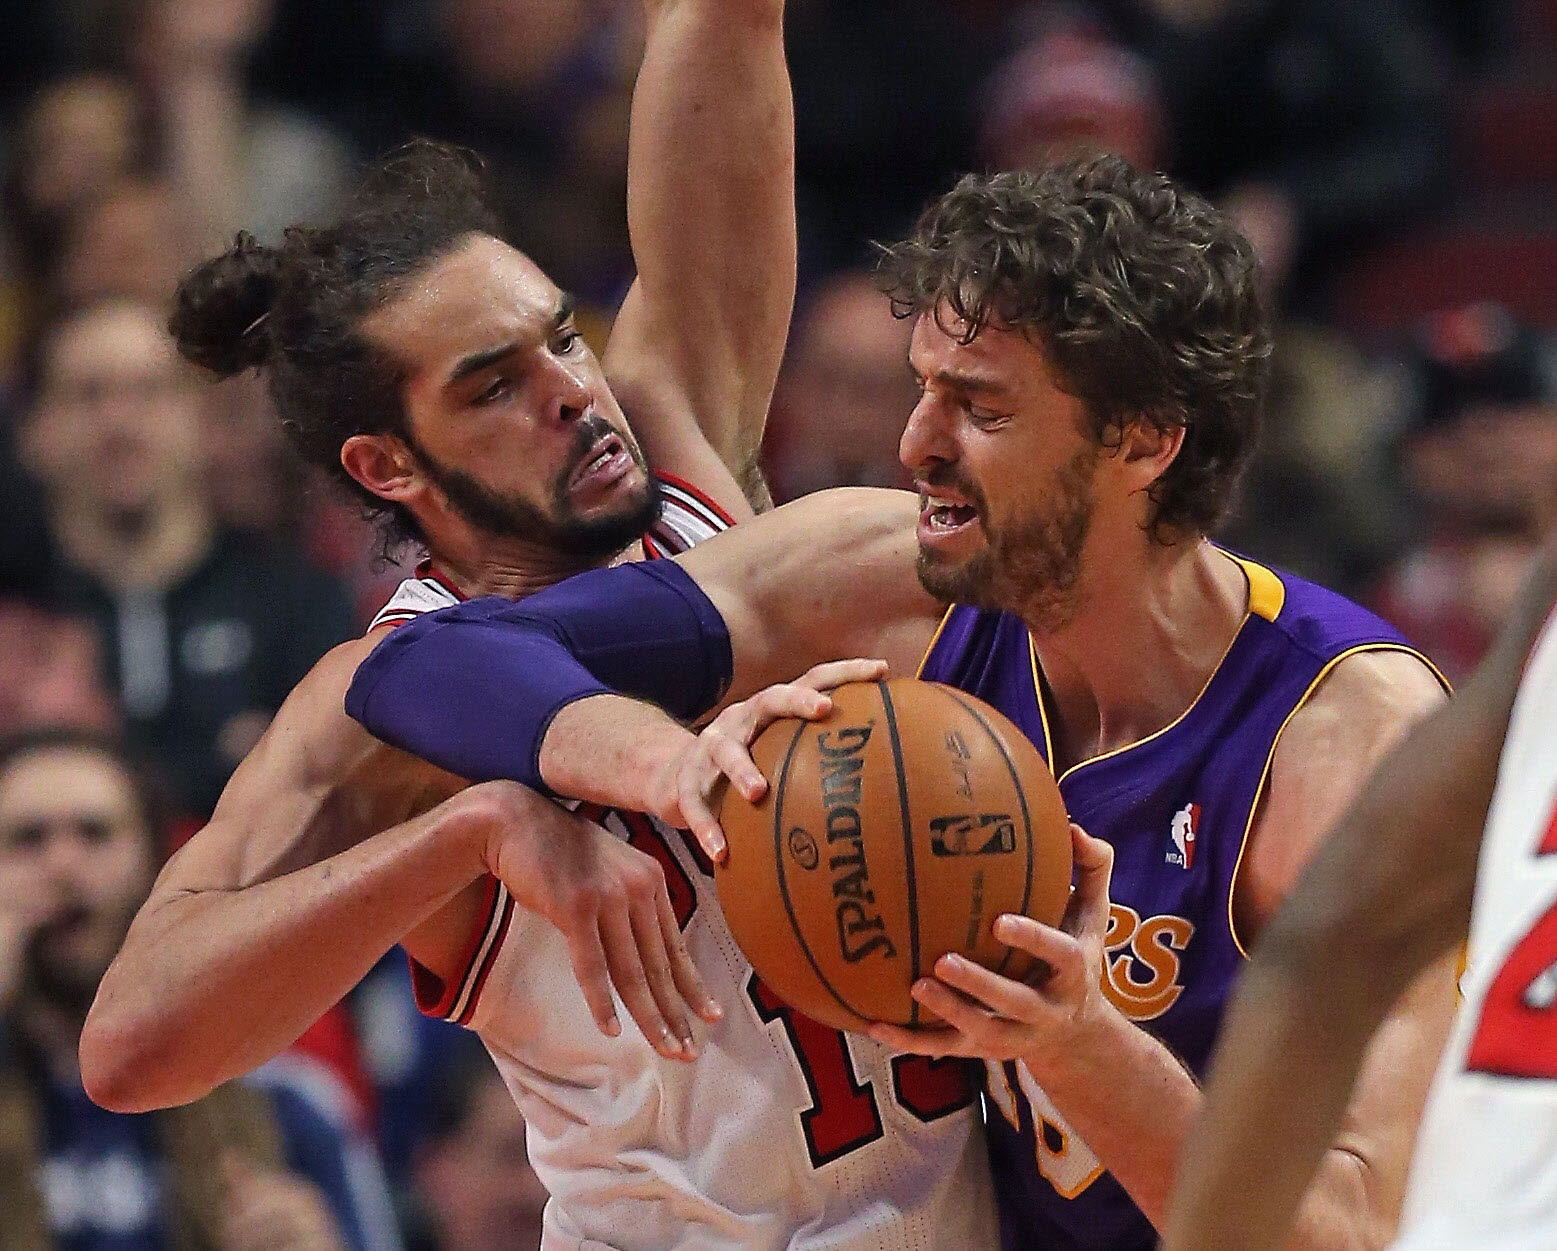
[[473, 688]]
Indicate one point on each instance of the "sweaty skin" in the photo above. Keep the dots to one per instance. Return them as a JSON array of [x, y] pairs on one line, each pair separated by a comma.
[[328, 846]]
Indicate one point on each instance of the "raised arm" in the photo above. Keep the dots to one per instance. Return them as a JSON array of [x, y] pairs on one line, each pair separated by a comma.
[[711, 209], [1388, 895]]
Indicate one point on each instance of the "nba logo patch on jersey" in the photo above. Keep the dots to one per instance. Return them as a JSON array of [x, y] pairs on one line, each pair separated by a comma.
[[1186, 822]]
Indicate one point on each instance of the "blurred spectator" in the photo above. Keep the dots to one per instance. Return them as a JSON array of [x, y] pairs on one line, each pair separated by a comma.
[[240, 1170], [77, 135], [234, 162], [205, 629], [474, 1175], [1316, 498], [1068, 88], [27, 557], [406, 1055], [1480, 462], [1316, 123], [53, 672], [539, 87], [844, 395], [133, 239]]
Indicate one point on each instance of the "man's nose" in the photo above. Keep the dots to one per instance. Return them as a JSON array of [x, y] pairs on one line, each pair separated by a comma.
[[571, 394], [926, 438]]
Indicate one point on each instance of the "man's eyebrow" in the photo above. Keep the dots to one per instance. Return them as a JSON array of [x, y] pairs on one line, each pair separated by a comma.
[[487, 357], [964, 380], [477, 361]]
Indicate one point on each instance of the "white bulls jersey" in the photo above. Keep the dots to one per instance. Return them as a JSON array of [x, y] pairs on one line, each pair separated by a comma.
[[1485, 1172], [783, 1133]]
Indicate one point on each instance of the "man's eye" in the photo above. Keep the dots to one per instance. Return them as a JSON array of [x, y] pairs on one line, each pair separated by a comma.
[[95, 830], [493, 391], [567, 341], [28, 837], [985, 418]]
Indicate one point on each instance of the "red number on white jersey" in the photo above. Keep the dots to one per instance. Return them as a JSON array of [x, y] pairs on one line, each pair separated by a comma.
[[1517, 1033]]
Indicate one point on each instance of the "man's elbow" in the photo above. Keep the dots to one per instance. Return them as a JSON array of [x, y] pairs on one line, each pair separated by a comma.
[[1344, 1210], [128, 1066]]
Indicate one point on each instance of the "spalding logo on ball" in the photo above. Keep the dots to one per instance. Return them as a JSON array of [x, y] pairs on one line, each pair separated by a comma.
[[891, 833]]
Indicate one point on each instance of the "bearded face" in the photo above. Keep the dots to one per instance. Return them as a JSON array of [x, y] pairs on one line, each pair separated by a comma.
[[1030, 560], [557, 523]]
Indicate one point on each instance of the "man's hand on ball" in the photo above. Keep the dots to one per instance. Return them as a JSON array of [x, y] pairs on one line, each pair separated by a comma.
[[611, 905], [996, 1018], [722, 752]]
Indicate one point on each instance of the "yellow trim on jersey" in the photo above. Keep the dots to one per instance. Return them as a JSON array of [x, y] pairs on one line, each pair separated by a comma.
[[1141, 742], [1270, 756], [1043, 711], [1267, 592], [1266, 595], [934, 639]]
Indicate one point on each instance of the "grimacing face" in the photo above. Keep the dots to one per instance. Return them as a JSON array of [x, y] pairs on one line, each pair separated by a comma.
[[1006, 472], [72, 830], [510, 416]]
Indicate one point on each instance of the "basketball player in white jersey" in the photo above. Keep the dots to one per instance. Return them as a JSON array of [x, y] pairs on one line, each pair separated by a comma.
[[438, 372], [1391, 890]]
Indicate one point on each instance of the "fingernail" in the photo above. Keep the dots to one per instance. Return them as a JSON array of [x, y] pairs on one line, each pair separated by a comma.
[[689, 1046], [1006, 926], [613, 1027], [713, 1012]]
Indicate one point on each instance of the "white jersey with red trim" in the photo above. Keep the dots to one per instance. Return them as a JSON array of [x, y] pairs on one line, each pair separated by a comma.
[[1485, 1171], [784, 1133]]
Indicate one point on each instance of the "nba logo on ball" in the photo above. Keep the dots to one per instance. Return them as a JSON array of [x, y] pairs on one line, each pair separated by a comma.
[[1185, 822]]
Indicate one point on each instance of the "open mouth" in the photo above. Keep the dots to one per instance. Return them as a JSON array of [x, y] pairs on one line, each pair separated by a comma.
[[942, 515], [606, 462]]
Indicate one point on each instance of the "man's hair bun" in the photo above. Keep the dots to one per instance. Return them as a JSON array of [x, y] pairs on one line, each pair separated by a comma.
[[222, 305]]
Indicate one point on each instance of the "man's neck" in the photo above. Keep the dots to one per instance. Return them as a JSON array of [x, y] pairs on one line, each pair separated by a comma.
[[1146, 640], [513, 568], [147, 552]]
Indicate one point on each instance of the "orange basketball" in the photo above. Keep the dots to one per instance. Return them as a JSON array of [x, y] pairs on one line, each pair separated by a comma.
[[892, 832]]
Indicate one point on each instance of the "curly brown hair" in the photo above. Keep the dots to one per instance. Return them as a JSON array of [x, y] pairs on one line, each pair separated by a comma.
[[1142, 295]]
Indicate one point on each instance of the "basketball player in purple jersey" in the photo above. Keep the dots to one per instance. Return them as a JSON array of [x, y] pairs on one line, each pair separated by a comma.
[[1092, 355]]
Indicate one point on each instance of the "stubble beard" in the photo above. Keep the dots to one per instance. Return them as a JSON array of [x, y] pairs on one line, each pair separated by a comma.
[[587, 541], [1032, 566]]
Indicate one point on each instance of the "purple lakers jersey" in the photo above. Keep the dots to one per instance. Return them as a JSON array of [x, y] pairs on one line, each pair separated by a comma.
[[1177, 807]]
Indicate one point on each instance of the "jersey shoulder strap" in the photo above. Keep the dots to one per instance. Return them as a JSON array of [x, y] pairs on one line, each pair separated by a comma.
[[425, 591], [687, 517]]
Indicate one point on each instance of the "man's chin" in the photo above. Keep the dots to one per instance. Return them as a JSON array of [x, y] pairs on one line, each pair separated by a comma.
[[964, 581]]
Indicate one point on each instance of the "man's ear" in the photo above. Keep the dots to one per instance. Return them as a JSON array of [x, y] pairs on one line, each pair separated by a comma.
[[384, 465], [1146, 449]]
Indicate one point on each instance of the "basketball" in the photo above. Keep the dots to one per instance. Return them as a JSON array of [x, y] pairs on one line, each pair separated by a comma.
[[892, 832]]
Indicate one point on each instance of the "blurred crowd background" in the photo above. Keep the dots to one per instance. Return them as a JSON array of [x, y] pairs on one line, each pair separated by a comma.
[[168, 571]]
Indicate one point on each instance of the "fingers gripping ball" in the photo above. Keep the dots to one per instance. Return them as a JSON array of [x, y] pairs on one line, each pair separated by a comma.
[[894, 831]]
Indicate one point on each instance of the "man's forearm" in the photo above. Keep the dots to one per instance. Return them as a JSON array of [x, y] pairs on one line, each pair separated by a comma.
[[711, 209], [1133, 1103], [611, 750], [213, 982], [1130, 1100], [475, 688]]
